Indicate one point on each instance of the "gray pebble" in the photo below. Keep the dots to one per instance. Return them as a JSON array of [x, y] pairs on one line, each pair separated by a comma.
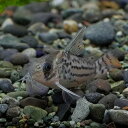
[[6, 85], [121, 103], [108, 101], [10, 41], [19, 59], [15, 30], [101, 33], [3, 108], [119, 116], [93, 97], [48, 37]]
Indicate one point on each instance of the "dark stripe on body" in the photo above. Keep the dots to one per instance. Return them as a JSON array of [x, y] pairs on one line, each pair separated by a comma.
[[109, 58], [82, 67], [82, 75]]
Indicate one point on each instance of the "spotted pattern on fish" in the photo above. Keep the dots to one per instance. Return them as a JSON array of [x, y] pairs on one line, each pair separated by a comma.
[[72, 71], [72, 67], [105, 63]]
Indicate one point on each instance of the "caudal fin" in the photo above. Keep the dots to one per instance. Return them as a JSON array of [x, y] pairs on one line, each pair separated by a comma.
[[106, 63]]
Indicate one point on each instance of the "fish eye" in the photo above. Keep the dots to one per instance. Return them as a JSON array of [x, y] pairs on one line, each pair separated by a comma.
[[46, 67]]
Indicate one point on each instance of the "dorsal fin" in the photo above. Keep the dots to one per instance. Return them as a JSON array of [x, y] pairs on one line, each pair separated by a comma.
[[76, 46]]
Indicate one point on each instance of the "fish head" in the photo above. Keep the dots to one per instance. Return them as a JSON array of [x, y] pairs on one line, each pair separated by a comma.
[[45, 70]]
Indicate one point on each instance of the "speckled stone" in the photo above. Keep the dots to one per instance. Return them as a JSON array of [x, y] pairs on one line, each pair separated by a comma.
[[93, 97], [81, 111], [13, 112]]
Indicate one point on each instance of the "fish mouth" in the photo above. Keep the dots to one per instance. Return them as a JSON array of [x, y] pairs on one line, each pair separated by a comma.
[[25, 78]]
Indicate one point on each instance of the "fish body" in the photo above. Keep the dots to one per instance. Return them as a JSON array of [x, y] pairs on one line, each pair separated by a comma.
[[72, 71], [67, 68]]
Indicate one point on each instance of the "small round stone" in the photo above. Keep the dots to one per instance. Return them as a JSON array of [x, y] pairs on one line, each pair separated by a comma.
[[70, 26], [12, 102], [3, 108], [116, 74], [119, 116], [121, 103], [14, 76], [7, 22], [29, 52], [72, 123], [41, 103], [50, 127], [93, 97], [6, 85], [3, 120], [81, 111], [7, 53], [119, 33], [35, 113], [125, 92], [62, 126], [19, 59], [22, 16], [97, 112], [10, 41], [108, 101], [101, 33], [48, 37], [30, 40], [95, 125], [13, 112], [125, 76], [16, 30], [55, 119]]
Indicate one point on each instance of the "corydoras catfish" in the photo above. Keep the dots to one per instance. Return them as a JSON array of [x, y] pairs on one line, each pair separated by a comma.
[[67, 68]]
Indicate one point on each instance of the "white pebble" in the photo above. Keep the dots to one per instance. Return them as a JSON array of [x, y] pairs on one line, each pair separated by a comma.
[[119, 33], [72, 123], [7, 22], [30, 52]]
